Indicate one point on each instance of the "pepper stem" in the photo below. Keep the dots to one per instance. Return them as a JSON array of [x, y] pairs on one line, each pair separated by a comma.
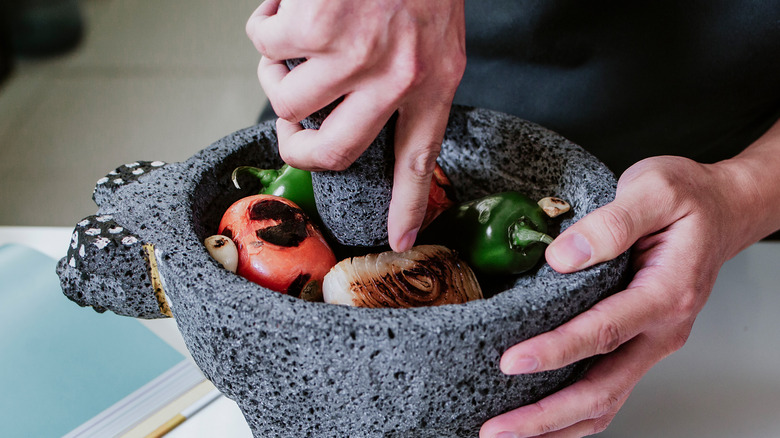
[[266, 176], [522, 235], [525, 234]]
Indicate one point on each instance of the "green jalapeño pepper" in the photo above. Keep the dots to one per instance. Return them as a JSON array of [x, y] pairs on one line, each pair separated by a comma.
[[286, 182], [502, 233]]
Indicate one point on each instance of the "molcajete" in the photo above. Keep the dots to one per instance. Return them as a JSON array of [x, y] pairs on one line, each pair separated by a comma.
[[299, 368]]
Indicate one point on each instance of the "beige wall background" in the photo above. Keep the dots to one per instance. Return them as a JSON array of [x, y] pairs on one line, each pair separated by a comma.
[[151, 80]]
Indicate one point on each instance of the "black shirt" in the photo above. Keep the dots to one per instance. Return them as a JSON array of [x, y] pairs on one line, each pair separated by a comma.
[[630, 79]]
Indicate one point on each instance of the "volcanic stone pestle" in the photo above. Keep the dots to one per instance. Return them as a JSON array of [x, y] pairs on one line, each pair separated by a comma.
[[353, 203]]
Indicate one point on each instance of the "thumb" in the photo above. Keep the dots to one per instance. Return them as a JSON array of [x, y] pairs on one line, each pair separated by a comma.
[[605, 233]]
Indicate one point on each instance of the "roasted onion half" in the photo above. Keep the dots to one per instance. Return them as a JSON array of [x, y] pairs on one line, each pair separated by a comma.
[[426, 275]]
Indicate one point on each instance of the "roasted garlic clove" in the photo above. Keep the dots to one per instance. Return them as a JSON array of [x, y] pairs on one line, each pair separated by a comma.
[[223, 250], [426, 275], [554, 207]]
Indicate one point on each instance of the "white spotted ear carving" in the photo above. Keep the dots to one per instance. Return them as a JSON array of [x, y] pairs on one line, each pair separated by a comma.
[[110, 268], [122, 176]]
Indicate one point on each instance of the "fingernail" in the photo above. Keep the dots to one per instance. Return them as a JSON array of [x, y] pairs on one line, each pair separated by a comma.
[[523, 365], [506, 435], [572, 250], [407, 241]]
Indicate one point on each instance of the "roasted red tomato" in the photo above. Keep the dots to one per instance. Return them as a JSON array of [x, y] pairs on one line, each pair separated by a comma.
[[440, 196], [278, 246]]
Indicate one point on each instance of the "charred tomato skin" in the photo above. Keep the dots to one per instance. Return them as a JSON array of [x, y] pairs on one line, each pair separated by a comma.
[[440, 196], [278, 245]]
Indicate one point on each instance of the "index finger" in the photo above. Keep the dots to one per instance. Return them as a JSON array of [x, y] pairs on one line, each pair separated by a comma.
[[599, 330], [418, 135], [585, 403]]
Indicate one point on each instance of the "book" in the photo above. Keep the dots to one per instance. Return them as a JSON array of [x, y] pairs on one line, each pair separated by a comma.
[[70, 371]]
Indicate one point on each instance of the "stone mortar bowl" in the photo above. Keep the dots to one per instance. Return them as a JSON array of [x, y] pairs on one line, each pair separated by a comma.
[[299, 368]]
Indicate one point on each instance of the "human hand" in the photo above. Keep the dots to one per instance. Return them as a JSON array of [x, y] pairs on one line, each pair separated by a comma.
[[684, 220], [381, 57]]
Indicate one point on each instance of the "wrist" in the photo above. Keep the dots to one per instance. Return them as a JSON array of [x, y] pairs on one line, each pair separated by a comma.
[[752, 181]]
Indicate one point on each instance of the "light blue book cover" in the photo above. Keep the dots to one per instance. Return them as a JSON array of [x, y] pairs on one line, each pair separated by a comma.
[[60, 364]]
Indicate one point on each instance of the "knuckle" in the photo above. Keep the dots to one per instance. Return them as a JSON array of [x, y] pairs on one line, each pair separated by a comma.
[[260, 78], [679, 340], [686, 304], [288, 157], [568, 352], [608, 337], [316, 40], [282, 108], [249, 28], [683, 308], [332, 159], [617, 226], [601, 424], [260, 45], [666, 185], [605, 404], [321, 158], [682, 303], [361, 54], [453, 70], [602, 335], [546, 426], [317, 28], [252, 30], [459, 62], [408, 74], [679, 337], [423, 164], [670, 178]]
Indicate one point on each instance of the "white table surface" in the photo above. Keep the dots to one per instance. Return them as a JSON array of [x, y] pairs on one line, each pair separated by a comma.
[[725, 382]]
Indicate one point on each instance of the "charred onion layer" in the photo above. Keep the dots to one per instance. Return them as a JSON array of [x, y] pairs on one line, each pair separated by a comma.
[[426, 275]]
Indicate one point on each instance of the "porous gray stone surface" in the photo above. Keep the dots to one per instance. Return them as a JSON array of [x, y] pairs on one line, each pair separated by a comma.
[[88, 274], [353, 203], [303, 369]]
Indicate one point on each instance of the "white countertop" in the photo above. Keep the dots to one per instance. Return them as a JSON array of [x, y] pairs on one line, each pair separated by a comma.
[[724, 383]]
